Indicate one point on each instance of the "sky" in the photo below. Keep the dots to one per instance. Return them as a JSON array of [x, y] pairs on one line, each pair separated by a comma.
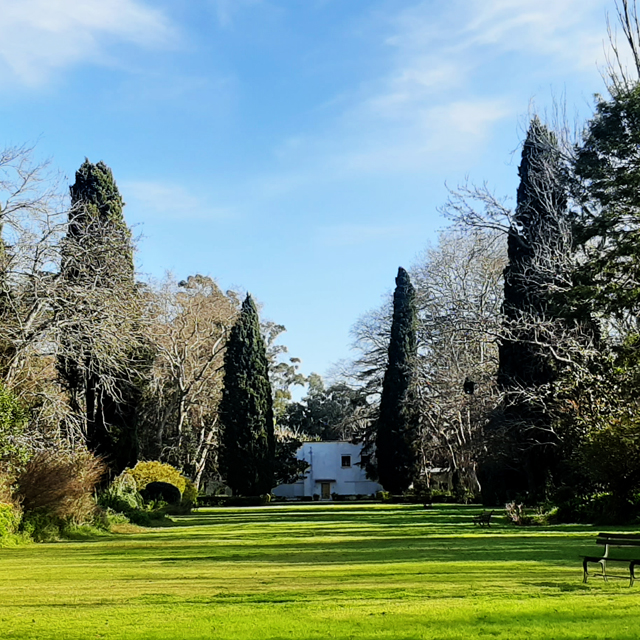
[[296, 149]]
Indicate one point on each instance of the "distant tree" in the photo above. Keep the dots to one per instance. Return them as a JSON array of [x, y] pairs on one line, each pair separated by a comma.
[[327, 413], [537, 244], [287, 467], [396, 424], [102, 351], [246, 410], [282, 374]]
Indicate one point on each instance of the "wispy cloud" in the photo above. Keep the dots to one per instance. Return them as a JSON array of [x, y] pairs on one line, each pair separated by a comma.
[[449, 82], [541, 27], [226, 10], [464, 33], [170, 202], [38, 37]]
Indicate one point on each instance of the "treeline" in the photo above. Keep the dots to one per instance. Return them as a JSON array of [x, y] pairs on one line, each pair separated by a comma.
[[99, 369], [510, 354]]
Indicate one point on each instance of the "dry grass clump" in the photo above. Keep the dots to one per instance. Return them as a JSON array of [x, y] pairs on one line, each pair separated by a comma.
[[61, 484]]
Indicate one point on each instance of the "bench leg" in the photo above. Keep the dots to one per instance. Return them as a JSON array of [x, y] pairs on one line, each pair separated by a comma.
[[585, 568], [632, 572]]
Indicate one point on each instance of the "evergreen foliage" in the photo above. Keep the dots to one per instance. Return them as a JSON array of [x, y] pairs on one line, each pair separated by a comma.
[[97, 222], [607, 287], [538, 252], [98, 260], [608, 164], [246, 410], [537, 244], [396, 424], [325, 413]]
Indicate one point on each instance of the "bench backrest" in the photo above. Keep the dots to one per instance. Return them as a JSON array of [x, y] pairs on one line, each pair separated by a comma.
[[618, 540]]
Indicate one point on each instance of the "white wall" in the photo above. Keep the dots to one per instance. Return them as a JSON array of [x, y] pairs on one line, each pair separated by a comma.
[[325, 460]]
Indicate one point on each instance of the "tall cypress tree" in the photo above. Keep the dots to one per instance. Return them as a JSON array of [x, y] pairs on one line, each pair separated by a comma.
[[396, 426], [97, 264], [246, 410], [539, 242]]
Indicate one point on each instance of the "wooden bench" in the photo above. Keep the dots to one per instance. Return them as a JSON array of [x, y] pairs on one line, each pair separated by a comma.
[[483, 519], [614, 541]]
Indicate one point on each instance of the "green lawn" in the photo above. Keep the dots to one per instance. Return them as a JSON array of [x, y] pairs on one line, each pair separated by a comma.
[[316, 571]]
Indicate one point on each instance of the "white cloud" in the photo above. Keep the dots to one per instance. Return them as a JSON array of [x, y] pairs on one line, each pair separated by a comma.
[[40, 36], [449, 84], [169, 202], [467, 30], [438, 137]]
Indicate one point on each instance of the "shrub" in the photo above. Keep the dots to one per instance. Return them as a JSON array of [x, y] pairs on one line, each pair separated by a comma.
[[60, 485], [155, 471], [122, 495], [41, 526], [190, 493], [161, 492], [515, 513], [13, 422], [247, 501], [122, 499], [10, 516], [149, 471], [6, 482]]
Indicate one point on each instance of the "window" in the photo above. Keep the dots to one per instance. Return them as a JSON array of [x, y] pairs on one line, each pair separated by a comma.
[[364, 460], [346, 461]]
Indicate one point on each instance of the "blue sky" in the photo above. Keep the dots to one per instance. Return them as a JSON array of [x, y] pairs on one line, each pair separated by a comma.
[[297, 149]]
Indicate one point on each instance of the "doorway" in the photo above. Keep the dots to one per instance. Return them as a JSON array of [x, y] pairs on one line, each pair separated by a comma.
[[325, 490]]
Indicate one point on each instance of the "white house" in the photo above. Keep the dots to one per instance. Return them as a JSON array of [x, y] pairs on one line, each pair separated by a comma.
[[333, 469]]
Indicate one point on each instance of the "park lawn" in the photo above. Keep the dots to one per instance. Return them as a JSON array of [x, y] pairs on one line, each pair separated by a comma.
[[316, 571]]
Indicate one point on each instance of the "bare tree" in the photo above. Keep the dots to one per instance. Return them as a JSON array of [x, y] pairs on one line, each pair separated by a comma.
[[459, 295], [189, 323], [618, 77], [459, 285]]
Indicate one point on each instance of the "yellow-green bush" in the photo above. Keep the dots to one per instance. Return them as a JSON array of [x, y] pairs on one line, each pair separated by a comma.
[[155, 471], [190, 493]]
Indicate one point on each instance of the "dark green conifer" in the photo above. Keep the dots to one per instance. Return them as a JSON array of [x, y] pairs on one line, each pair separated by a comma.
[[98, 260], [608, 229], [539, 243], [396, 425], [246, 410]]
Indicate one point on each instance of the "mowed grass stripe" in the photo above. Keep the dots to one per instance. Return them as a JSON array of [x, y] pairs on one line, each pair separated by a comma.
[[315, 571]]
